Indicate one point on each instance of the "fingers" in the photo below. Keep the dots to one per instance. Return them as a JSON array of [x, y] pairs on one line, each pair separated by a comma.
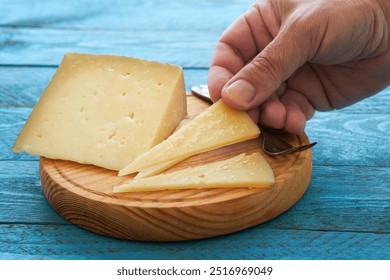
[[298, 111], [289, 112], [218, 76], [260, 78], [251, 64], [295, 121], [272, 113], [237, 46]]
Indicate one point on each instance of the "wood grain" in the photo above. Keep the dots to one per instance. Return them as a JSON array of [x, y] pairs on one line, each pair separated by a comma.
[[40, 32], [358, 194], [259, 243], [344, 214], [30, 46], [122, 14], [83, 195]]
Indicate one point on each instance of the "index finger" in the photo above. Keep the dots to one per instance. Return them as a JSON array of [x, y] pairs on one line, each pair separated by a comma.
[[238, 45]]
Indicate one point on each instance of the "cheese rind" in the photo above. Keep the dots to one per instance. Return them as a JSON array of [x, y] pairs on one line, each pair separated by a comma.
[[242, 171], [104, 110], [217, 126]]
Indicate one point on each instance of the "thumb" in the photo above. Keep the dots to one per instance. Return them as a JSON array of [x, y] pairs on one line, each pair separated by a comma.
[[262, 76]]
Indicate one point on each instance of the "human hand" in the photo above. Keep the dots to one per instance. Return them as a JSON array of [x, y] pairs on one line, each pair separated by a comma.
[[284, 59]]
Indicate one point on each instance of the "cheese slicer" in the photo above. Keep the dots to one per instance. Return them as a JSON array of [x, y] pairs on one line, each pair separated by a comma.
[[272, 143]]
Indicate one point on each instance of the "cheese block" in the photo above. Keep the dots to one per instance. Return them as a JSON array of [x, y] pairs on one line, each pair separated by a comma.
[[104, 110], [217, 126], [246, 171]]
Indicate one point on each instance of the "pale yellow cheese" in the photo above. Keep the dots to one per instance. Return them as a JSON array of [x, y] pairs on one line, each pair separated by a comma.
[[242, 171], [217, 126], [157, 169], [104, 110]]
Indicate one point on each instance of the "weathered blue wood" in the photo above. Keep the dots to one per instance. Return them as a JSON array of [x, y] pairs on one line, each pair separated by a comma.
[[22, 86], [345, 213], [343, 198], [152, 30], [136, 14], [356, 194], [21, 197], [350, 139], [31, 46], [67, 242]]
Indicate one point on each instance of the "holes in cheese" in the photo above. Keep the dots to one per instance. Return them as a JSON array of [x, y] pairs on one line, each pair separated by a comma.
[[104, 110], [247, 171], [217, 126]]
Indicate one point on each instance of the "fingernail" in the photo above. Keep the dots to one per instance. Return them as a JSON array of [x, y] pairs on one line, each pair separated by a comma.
[[241, 91]]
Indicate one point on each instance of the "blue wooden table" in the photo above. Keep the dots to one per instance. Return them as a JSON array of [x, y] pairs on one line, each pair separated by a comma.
[[345, 213]]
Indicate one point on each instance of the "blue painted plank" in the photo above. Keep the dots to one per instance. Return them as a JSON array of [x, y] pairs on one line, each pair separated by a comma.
[[11, 122], [343, 215], [338, 199], [350, 139], [171, 31], [30, 46], [342, 198], [90, 14], [22, 86], [66, 242], [21, 197]]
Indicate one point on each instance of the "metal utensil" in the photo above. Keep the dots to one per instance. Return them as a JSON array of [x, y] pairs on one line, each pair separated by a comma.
[[201, 91], [272, 143]]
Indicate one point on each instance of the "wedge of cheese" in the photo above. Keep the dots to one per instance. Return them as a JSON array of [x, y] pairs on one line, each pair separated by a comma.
[[157, 169], [217, 126], [104, 110], [246, 171]]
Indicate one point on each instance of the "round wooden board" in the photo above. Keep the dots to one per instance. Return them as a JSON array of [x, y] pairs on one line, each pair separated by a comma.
[[83, 195]]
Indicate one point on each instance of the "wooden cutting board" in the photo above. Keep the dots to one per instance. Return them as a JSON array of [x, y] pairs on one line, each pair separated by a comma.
[[83, 195]]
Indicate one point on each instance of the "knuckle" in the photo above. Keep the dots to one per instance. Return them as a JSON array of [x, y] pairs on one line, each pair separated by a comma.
[[268, 66]]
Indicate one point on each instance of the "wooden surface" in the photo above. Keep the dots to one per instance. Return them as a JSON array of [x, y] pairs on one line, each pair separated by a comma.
[[344, 213], [83, 194]]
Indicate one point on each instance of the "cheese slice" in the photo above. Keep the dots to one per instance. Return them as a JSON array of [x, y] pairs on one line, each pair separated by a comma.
[[217, 126], [104, 110], [242, 171], [157, 169]]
